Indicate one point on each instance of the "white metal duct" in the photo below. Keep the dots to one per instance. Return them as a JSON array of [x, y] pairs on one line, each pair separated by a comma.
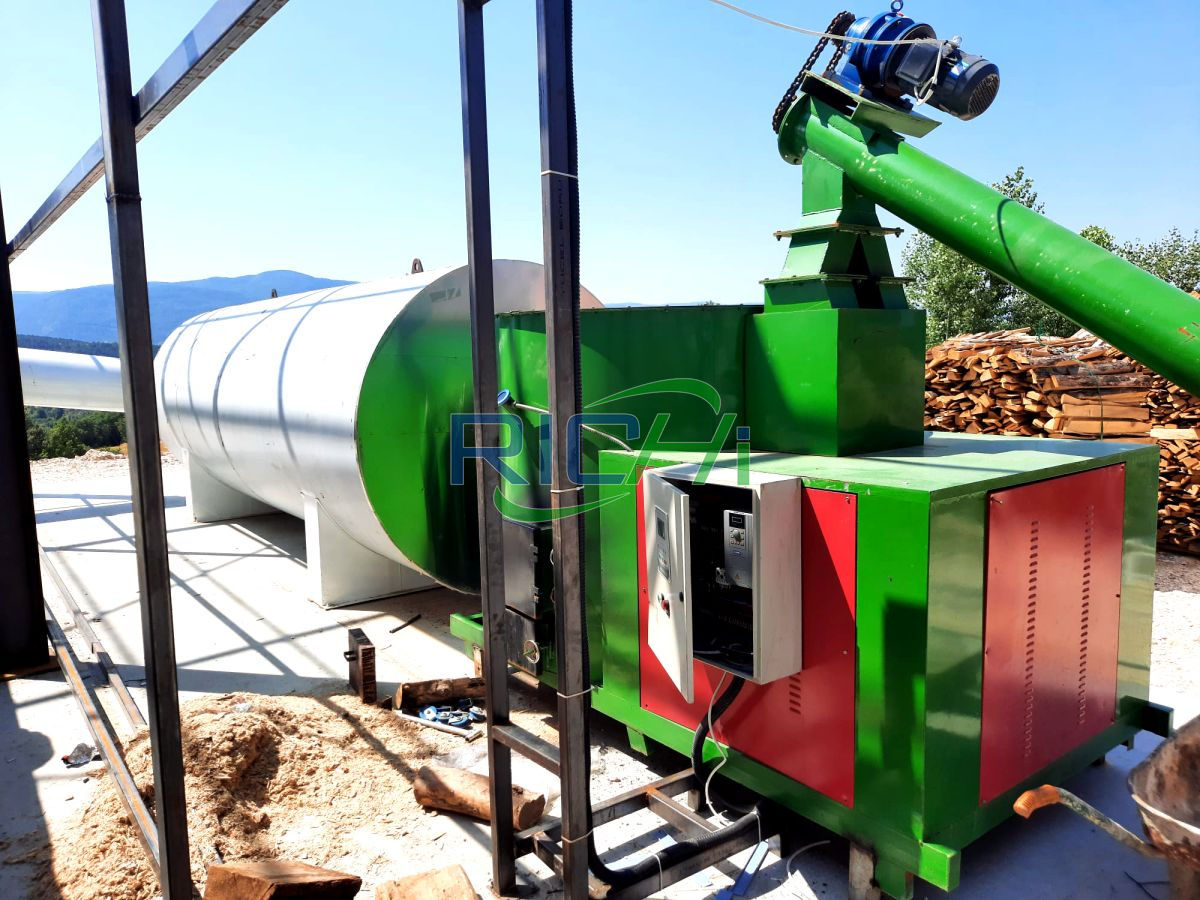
[[70, 380]]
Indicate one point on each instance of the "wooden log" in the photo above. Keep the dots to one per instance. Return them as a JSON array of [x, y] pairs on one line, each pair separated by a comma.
[[454, 790], [414, 694], [272, 879], [1076, 382], [450, 883]]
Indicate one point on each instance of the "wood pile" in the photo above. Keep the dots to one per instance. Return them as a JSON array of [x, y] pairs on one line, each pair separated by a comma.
[[1011, 382]]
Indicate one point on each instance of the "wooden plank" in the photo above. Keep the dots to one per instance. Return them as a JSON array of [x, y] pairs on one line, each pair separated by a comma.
[[1104, 426], [414, 694], [272, 879], [1175, 434], [450, 883]]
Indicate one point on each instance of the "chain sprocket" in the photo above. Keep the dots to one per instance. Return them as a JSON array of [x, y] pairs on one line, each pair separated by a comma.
[[840, 25]]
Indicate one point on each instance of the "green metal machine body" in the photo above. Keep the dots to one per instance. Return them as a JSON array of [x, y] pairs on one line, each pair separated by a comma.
[[992, 595]]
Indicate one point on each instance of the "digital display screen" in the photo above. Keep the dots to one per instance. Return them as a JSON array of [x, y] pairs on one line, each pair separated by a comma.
[[662, 526], [737, 520]]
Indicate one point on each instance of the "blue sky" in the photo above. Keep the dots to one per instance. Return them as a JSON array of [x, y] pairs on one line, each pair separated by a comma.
[[331, 142]]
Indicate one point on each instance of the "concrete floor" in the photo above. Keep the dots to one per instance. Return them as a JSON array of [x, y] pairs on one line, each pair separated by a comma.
[[242, 623]]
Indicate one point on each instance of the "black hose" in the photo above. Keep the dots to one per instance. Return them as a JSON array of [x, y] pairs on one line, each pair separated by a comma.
[[682, 850], [719, 707], [721, 704]]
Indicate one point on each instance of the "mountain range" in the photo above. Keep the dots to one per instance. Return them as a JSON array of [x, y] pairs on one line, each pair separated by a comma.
[[89, 313]]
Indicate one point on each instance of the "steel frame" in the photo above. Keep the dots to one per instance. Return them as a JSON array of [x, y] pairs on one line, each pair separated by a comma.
[[544, 839], [560, 225], [563, 844], [145, 467], [483, 357], [129, 708], [560, 238], [125, 119], [23, 637]]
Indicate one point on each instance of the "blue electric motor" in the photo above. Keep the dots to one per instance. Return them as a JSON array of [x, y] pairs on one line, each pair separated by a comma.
[[935, 72]]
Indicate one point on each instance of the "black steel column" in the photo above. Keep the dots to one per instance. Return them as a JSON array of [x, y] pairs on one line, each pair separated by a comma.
[[141, 413], [487, 479], [560, 235], [22, 615]]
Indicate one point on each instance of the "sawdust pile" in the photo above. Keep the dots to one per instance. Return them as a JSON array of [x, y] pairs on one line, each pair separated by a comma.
[[267, 777]]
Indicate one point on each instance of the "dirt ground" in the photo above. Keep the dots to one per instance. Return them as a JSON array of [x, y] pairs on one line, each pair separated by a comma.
[[325, 780]]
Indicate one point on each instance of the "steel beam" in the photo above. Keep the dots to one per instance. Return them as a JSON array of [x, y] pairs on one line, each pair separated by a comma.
[[613, 808], [133, 715], [487, 479], [560, 237], [137, 376], [529, 745], [106, 741], [225, 27], [23, 632]]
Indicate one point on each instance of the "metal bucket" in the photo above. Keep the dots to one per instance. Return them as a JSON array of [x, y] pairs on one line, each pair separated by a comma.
[[1166, 788]]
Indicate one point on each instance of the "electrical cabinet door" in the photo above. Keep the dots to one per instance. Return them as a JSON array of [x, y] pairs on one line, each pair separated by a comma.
[[778, 580], [669, 579]]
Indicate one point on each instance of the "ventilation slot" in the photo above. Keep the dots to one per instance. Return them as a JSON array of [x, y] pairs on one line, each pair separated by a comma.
[[1030, 636], [1085, 610], [795, 694]]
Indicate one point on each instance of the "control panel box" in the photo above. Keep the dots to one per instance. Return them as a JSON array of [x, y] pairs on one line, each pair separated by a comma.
[[723, 572]]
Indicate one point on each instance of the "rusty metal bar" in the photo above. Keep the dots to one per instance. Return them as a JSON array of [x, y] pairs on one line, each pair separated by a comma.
[[133, 715], [106, 743]]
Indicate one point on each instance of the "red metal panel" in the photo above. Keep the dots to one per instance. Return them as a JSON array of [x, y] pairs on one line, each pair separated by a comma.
[[802, 726], [1051, 621]]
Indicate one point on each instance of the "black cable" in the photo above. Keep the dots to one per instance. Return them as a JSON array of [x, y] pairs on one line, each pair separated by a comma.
[[721, 704]]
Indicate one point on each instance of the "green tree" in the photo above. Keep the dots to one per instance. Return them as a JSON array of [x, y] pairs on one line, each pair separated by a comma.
[[1101, 236], [35, 437], [64, 440], [101, 429], [1174, 258], [961, 297]]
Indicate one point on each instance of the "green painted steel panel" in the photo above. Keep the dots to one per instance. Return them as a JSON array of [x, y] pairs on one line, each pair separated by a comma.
[[893, 549], [1137, 580], [954, 668], [836, 382], [947, 465], [622, 349], [420, 375]]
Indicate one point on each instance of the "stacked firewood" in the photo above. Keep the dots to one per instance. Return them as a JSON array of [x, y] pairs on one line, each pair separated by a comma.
[[1011, 382]]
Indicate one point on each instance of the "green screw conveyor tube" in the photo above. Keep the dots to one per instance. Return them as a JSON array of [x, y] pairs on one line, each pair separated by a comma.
[[1152, 321]]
